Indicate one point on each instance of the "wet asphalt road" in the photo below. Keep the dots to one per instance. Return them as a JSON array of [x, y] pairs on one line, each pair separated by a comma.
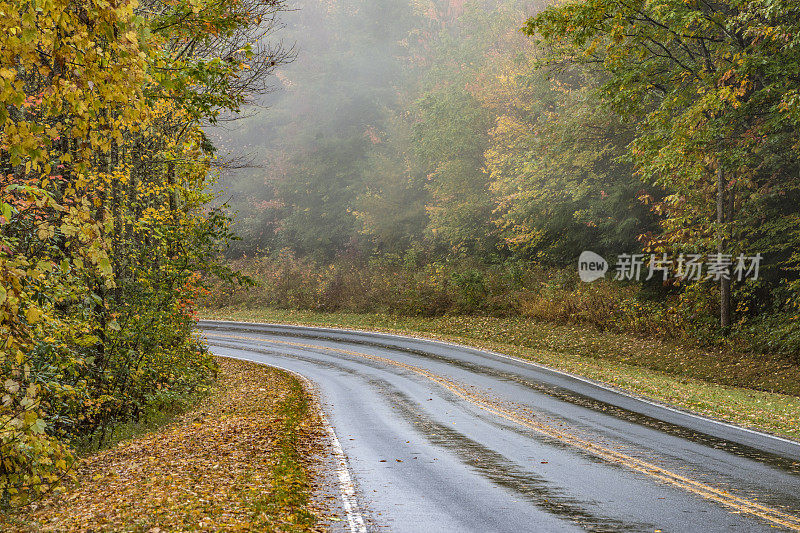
[[448, 438]]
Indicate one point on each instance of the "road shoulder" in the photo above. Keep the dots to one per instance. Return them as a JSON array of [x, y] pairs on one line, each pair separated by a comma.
[[581, 352], [249, 457]]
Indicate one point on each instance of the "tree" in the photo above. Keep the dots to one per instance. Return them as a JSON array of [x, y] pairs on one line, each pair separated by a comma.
[[63, 100], [557, 166], [714, 86], [391, 209], [453, 59], [105, 234]]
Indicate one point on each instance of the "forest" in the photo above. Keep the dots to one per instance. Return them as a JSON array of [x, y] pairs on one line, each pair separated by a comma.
[[457, 157], [419, 158], [106, 231]]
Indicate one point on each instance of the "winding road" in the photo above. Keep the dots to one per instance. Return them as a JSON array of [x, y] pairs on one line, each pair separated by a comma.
[[443, 437]]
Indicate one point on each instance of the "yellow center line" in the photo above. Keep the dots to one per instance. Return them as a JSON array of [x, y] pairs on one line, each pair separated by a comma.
[[721, 496]]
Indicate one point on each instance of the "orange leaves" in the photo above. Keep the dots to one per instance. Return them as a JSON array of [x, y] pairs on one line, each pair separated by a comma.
[[212, 469]]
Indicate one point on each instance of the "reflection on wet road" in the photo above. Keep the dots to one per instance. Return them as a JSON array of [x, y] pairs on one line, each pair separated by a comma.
[[448, 438]]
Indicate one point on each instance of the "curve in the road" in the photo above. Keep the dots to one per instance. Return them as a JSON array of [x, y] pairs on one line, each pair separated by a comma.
[[688, 459]]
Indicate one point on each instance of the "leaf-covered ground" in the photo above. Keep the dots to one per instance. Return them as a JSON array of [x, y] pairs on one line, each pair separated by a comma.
[[239, 461]]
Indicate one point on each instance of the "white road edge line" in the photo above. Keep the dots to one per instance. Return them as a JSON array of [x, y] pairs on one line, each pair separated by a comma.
[[347, 489], [531, 363]]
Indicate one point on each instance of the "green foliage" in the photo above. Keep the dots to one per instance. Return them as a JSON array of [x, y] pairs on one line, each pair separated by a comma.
[[713, 88], [104, 238], [472, 288], [449, 139], [484, 153], [319, 221], [557, 166], [325, 132], [467, 150]]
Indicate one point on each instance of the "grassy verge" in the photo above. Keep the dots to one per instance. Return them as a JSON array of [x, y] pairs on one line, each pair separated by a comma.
[[287, 506], [753, 391], [238, 461], [156, 416]]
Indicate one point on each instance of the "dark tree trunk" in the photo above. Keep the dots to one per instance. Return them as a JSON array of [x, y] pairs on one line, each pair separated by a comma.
[[725, 282]]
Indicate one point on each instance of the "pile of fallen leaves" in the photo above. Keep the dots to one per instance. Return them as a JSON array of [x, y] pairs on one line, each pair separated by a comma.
[[237, 462]]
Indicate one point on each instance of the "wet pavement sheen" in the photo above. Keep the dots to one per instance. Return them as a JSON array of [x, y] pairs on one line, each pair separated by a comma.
[[449, 438]]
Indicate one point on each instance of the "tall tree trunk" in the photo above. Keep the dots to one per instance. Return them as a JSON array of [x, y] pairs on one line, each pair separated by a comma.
[[724, 283], [173, 205]]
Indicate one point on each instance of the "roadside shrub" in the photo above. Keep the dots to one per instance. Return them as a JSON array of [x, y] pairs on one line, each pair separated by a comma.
[[471, 290], [392, 284]]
